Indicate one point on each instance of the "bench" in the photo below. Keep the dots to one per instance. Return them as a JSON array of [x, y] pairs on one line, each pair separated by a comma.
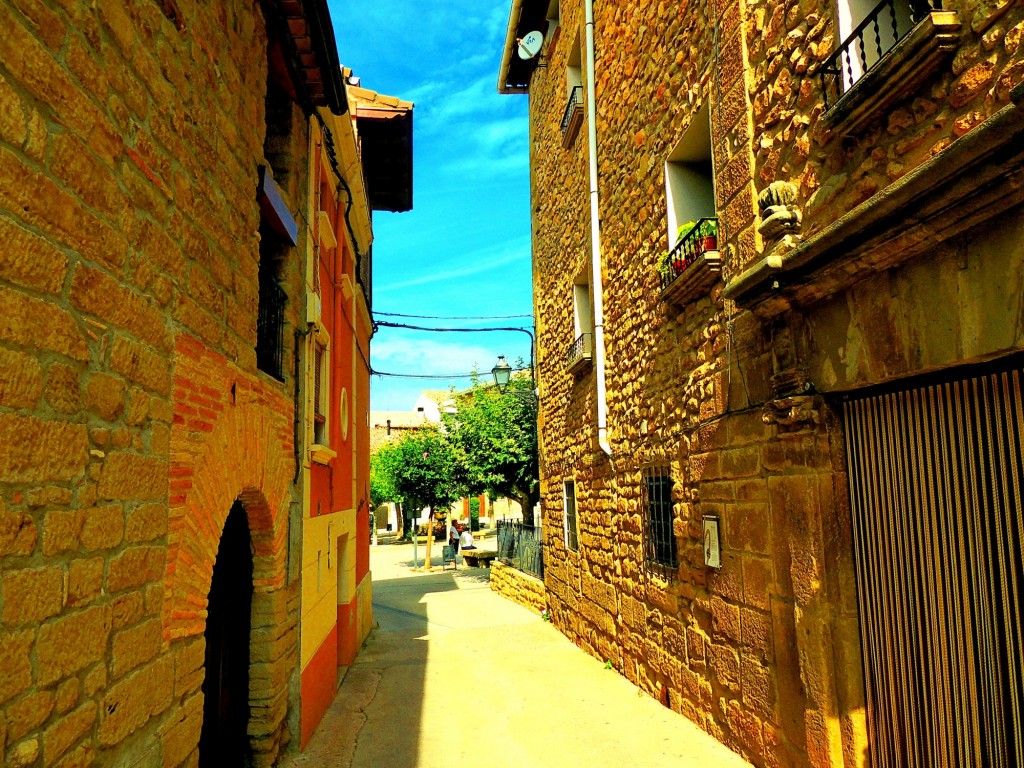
[[478, 558]]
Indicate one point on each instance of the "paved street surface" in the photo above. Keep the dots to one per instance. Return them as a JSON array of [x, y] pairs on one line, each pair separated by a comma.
[[456, 675]]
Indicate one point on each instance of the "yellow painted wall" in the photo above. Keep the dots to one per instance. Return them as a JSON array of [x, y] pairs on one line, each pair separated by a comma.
[[328, 562]]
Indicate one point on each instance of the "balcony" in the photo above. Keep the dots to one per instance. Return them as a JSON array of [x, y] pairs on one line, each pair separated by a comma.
[[572, 118], [690, 269], [580, 353], [886, 57]]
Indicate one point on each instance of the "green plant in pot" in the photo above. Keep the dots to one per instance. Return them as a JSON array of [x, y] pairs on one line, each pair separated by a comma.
[[706, 236]]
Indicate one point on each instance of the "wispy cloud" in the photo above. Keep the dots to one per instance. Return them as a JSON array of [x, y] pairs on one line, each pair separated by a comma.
[[464, 249]]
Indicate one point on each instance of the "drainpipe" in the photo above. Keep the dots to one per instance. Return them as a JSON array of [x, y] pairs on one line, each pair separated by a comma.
[[595, 238]]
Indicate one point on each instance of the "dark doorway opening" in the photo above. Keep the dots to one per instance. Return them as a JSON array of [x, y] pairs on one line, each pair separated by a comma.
[[224, 740]]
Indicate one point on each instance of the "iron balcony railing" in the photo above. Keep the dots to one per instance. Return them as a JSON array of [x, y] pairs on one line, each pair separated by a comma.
[[270, 328], [572, 108], [521, 546], [876, 35], [701, 238], [581, 350]]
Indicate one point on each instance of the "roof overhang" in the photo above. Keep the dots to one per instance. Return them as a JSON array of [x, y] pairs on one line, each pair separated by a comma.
[[313, 53], [384, 125], [524, 16]]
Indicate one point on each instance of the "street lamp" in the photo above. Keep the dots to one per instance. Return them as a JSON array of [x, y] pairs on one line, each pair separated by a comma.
[[502, 372]]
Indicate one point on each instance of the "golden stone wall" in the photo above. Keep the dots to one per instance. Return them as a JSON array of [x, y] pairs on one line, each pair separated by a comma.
[[519, 587], [131, 411], [765, 652]]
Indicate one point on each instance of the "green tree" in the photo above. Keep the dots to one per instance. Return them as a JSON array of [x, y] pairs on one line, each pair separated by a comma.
[[420, 470], [495, 434], [384, 467]]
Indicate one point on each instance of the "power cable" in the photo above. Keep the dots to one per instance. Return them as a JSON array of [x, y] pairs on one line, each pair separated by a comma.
[[453, 317], [433, 375]]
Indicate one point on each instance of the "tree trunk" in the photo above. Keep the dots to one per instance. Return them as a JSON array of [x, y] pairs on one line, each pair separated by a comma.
[[430, 537], [523, 499]]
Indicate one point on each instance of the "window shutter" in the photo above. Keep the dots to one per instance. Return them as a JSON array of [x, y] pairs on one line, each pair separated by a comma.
[[318, 362]]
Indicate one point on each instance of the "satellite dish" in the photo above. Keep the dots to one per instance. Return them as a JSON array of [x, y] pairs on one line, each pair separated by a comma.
[[529, 45]]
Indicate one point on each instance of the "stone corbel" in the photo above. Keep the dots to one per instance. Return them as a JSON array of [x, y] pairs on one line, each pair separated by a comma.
[[792, 412], [781, 219], [795, 406]]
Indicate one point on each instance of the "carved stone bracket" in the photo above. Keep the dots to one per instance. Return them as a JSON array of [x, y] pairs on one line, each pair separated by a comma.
[[781, 219], [792, 413], [794, 407]]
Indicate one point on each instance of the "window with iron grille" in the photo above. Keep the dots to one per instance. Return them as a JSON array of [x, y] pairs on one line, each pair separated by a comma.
[[659, 537], [270, 322], [321, 390], [572, 535]]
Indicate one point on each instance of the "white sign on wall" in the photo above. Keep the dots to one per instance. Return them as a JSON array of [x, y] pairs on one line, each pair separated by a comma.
[[712, 551]]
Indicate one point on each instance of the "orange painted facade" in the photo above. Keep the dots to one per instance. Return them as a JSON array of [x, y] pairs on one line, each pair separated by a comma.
[[336, 606]]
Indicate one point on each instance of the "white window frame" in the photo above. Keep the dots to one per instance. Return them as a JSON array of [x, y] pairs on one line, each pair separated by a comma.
[[319, 429], [690, 176]]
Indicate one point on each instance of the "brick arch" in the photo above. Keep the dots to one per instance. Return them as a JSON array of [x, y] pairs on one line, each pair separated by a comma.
[[241, 458], [231, 440]]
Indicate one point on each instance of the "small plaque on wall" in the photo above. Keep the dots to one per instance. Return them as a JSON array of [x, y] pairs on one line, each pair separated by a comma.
[[712, 550]]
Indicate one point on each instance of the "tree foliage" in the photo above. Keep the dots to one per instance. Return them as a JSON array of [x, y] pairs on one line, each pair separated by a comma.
[[421, 470], [487, 445], [495, 435], [384, 470]]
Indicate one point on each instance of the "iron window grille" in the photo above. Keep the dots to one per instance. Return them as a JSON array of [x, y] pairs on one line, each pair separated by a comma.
[[572, 538], [659, 537], [320, 388], [888, 23], [270, 325]]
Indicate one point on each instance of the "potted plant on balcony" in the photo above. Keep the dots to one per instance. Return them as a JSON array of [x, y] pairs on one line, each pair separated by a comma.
[[705, 238], [708, 236]]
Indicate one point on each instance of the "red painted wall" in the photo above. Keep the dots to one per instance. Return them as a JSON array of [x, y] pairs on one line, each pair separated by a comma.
[[319, 682]]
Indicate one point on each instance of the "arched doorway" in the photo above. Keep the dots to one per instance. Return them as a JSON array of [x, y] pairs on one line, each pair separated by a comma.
[[224, 740]]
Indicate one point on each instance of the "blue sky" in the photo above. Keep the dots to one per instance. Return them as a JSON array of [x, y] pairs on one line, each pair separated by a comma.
[[464, 249]]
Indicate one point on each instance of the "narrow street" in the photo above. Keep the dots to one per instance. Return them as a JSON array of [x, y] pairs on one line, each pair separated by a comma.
[[458, 675]]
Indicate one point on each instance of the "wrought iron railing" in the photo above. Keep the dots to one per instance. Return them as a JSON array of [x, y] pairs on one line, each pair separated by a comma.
[[575, 103], [581, 349], [270, 327], [701, 238], [876, 35], [521, 546]]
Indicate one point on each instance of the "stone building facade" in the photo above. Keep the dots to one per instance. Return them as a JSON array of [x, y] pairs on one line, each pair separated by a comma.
[[799, 525], [154, 207]]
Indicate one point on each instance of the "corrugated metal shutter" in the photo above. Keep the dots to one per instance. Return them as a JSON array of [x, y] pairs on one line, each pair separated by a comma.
[[935, 487]]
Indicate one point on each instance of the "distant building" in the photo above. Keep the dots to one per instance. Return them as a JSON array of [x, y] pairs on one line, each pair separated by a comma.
[[780, 390]]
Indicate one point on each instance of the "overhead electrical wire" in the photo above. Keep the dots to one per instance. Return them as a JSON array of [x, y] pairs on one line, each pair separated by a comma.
[[387, 324], [464, 316]]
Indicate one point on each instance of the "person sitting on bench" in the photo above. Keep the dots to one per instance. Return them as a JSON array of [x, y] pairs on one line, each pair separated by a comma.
[[466, 540]]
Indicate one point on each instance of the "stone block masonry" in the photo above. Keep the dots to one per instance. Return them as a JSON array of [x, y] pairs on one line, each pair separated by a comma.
[[749, 651], [519, 587], [132, 415]]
